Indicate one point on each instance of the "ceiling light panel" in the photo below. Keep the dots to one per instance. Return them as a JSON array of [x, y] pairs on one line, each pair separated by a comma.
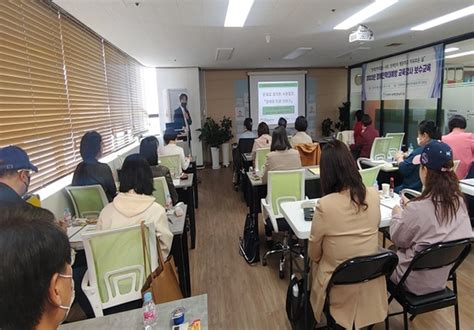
[[471, 52], [297, 53], [365, 13], [237, 12], [445, 19], [451, 49]]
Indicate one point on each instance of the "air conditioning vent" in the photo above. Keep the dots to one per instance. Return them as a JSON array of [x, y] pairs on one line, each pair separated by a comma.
[[224, 54]]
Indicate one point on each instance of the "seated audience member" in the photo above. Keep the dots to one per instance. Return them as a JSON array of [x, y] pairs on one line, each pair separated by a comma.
[[363, 146], [90, 171], [248, 133], [462, 144], [358, 125], [427, 131], [281, 155], [282, 122], [135, 203], [149, 151], [438, 215], [300, 137], [171, 148], [345, 225], [264, 139], [15, 171], [37, 290]]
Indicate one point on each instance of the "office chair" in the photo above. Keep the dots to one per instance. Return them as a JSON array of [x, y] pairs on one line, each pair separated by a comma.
[[369, 175], [173, 163], [378, 152], [434, 256], [359, 270], [260, 158], [88, 201], [283, 186], [115, 270], [161, 192], [395, 144]]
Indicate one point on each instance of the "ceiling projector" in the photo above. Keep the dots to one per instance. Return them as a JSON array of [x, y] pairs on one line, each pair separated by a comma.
[[363, 33]]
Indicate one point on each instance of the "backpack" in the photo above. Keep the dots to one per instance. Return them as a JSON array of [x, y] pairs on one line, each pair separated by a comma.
[[249, 244], [295, 297]]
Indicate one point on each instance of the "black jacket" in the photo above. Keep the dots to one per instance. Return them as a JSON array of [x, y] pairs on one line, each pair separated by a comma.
[[92, 172], [178, 118], [8, 195]]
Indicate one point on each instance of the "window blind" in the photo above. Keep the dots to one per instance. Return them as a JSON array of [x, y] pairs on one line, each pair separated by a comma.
[[58, 80]]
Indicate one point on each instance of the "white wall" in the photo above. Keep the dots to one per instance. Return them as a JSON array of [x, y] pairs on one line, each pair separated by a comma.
[[187, 78]]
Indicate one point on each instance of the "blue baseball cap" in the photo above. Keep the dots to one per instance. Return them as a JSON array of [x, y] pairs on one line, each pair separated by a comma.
[[15, 158], [434, 156]]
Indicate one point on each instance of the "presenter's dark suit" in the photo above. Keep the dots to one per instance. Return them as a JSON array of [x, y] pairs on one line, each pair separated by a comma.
[[179, 121]]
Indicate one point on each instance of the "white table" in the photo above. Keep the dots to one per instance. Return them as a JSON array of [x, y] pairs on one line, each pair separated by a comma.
[[386, 166], [467, 186], [196, 308], [294, 215]]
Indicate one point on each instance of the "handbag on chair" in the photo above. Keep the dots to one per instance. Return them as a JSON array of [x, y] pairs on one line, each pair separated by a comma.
[[163, 282]]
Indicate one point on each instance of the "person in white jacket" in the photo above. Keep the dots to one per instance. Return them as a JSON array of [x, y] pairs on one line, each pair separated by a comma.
[[135, 203]]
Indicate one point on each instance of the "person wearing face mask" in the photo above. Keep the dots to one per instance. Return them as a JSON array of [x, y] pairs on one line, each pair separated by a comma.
[[15, 171], [37, 289], [182, 117], [427, 131]]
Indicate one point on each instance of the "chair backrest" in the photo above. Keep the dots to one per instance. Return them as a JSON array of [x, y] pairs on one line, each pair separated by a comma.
[[260, 158], [396, 143], [284, 186], [369, 175], [456, 164], [161, 191], [246, 145], [380, 148], [364, 268], [441, 254], [339, 136], [115, 264], [87, 200], [172, 162]]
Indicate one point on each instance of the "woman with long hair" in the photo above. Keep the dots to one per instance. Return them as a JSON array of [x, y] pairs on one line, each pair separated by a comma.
[[345, 225], [149, 151], [438, 214]]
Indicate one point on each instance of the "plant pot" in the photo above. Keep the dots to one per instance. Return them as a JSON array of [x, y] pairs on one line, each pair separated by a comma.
[[225, 154], [215, 158]]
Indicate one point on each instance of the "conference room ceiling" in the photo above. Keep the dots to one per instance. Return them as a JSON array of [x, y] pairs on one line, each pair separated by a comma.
[[187, 33]]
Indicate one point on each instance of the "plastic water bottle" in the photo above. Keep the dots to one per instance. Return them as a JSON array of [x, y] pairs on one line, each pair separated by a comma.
[[376, 185], [169, 202], [410, 148], [149, 311], [67, 217]]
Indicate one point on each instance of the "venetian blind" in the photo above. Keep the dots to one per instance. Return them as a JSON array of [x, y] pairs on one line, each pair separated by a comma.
[[34, 113], [58, 80]]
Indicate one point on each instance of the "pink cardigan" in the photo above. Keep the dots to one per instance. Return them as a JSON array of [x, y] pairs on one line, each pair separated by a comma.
[[462, 144]]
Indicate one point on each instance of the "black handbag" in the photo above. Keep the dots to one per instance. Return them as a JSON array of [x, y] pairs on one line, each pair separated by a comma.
[[249, 243], [295, 298]]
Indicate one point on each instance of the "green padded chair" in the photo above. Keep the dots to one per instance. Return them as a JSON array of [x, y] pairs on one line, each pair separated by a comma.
[[88, 201], [161, 190], [260, 158], [283, 186], [395, 144], [369, 175], [378, 153], [115, 269], [172, 162]]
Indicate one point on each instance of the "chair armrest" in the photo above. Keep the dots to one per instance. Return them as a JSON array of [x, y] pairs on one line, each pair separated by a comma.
[[268, 210]]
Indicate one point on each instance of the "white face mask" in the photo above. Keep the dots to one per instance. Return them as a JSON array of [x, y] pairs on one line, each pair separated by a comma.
[[418, 140], [68, 308]]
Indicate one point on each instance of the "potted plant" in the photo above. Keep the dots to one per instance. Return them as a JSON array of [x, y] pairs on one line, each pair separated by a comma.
[[326, 127], [211, 134], [344, 117], [226, 129]]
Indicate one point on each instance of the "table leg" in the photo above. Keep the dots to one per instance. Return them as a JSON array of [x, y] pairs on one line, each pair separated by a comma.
[[192, 216], [254, 206], [178, 250]]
